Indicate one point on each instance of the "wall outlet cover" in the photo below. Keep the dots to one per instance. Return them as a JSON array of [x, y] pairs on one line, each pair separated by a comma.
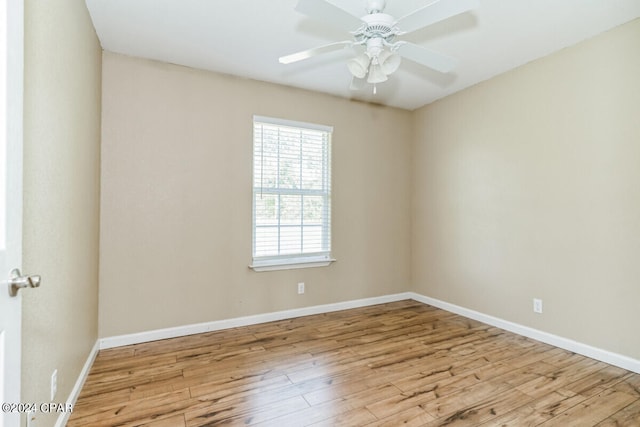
[[31, 419], [537, 305], [54, 384]]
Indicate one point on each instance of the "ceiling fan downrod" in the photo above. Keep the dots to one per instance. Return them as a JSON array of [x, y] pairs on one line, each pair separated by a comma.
[[375, 6]]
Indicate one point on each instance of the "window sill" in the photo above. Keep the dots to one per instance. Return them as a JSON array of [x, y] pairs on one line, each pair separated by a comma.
[[290, 264]]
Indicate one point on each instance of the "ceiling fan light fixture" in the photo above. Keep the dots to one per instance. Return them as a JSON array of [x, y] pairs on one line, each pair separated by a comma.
[[376, 75], [389, 62], [359, 66]]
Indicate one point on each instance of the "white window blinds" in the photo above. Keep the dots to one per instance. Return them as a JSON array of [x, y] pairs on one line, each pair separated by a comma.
[[291, 193]]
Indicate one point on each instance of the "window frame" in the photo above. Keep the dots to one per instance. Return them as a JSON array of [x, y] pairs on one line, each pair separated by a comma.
[[302, 259]]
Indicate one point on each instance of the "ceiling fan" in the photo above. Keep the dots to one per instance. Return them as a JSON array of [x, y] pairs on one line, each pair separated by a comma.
[[376, 32]]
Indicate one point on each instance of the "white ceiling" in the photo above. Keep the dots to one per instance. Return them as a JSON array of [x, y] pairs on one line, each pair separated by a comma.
[[246, 38]]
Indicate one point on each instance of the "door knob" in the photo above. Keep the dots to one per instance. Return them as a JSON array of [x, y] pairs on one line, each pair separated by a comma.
[[17, 281]]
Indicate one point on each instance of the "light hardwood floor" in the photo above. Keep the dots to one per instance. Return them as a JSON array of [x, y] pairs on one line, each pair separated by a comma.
[[402, 363]]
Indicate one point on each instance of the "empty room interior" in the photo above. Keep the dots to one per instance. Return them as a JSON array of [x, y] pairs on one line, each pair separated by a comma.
[[478, 229]]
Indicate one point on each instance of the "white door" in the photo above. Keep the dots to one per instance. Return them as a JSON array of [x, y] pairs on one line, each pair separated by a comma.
[[11, 76]]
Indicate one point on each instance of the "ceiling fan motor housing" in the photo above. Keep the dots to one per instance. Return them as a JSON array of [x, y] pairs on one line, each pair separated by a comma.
[[378, 25]]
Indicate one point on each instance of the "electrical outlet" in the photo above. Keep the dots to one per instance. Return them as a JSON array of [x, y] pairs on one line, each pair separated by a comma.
[[54, 384], [301, 288], [31, 419], [537, 305]]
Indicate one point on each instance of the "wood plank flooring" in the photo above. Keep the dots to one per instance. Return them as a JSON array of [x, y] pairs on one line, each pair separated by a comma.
[[403, 363]]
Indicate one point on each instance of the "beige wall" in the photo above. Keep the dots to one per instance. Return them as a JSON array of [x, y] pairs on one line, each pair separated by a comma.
[[522, 186], [61, 200], [176, 198], [528, 185]]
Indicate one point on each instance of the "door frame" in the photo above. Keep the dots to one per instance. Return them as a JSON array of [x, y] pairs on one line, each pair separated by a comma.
[[14, 138]]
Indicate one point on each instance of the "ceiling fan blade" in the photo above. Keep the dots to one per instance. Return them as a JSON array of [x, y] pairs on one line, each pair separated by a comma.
[[434, 12], [305, 54], [322, 10], [426, 57]]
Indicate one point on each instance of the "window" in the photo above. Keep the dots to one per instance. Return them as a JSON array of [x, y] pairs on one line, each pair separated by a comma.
[[291, 194]]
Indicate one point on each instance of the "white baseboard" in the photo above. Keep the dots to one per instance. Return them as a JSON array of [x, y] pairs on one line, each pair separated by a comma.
[[75, 392], [615, 359], [611, 358], [160, 334]]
